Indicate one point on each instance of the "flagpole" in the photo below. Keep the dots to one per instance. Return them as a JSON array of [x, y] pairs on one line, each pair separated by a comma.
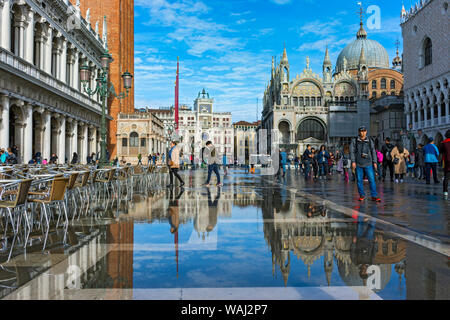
[[177, 86]]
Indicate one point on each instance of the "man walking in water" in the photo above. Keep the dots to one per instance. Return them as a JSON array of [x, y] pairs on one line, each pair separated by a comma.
[[210, 156]]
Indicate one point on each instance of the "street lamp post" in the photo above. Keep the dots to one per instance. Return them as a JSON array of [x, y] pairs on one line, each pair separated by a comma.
[[104, 88]]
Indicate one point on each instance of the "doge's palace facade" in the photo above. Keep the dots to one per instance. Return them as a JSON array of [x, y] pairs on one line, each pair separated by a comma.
[[43, 43]]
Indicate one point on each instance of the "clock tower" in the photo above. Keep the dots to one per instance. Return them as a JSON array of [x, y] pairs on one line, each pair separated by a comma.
[[203, 104]]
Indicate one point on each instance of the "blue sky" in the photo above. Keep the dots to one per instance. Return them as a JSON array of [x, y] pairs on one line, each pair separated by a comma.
[[227, 46]]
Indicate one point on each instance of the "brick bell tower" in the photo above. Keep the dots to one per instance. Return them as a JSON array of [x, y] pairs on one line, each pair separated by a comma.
[[120, 31]]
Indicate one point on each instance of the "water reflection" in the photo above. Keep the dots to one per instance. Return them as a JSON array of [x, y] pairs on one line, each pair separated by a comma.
[[364, 255], [308, 243]]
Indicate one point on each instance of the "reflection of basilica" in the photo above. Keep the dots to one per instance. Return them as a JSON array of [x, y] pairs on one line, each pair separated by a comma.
[[310, 232]]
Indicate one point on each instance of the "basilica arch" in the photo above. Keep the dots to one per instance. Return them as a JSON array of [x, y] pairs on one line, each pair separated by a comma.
[[345, 91], [311, 127], [307, 92]]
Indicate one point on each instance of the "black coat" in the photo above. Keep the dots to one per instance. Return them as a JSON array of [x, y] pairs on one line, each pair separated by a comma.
[[420, 158]]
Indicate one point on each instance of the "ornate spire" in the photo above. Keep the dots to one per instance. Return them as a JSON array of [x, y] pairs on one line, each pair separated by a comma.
[[362, 57], [362, 34], [327, 60], [273, 66], [285, 58]]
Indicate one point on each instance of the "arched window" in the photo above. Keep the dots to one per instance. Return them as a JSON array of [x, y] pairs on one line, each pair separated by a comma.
[[428, 51], [374, 94], [124, 142], [383, 83], [134, 139], [311, 128], [342, 99], [383, 93], [374, 84], [393, 93], [392, 84]]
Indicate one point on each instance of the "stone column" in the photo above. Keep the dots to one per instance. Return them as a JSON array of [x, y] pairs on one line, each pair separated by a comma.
[[29, 38], [63, 61], [439, 103], [4, 129], [74, 142], [447, 109], [47, 135], [41, 43], [432, 115], [419, 119], [6, 25], [84, 144], [76, 71], [28, 133], [48, 53], [62, 140]]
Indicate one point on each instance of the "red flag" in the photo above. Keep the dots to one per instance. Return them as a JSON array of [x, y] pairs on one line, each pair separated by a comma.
[[177, 87]]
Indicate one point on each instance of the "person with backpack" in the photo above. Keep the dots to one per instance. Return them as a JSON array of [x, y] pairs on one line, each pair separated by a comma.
[[139, 159], [386, 150], [445, 151], [210, 156], [364, 160], [431, 155]]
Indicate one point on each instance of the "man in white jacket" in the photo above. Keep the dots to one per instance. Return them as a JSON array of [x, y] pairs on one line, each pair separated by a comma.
[[210, 156]]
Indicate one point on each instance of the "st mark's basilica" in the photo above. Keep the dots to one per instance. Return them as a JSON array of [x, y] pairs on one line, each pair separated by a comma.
[[328, 109]]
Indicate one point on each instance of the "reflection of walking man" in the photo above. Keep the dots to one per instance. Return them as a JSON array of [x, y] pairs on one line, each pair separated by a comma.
[[362, 249], [212, 219], [174, 211]]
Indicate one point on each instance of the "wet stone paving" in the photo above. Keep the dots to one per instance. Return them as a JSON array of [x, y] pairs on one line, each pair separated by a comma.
[[257, 237]]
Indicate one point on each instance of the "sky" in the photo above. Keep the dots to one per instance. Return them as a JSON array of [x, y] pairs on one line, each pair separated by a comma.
[[227, 46]]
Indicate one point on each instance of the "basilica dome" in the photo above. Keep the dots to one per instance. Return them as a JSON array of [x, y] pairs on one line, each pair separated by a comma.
[[376, 55]]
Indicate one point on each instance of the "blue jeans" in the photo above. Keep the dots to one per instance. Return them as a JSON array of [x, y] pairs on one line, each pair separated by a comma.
[[371, 176], [213, 167], [428, 167], [323, 169], [307, 168]]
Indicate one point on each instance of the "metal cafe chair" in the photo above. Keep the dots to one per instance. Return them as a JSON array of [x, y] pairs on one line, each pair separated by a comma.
[[18, 204], [81, 187], [54, 197], [69, 191]]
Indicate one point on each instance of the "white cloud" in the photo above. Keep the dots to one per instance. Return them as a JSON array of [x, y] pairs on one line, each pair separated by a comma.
[[281, 1]]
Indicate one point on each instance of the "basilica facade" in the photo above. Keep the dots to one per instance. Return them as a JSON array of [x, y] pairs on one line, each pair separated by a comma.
[[328, 109]]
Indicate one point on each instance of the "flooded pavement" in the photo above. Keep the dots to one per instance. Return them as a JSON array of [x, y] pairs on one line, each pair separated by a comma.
[[255, 238]]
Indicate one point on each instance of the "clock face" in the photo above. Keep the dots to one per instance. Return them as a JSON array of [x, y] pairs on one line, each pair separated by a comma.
[[205, 108]]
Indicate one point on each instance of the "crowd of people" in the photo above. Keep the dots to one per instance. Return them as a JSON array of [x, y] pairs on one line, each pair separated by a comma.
[[361, 160]]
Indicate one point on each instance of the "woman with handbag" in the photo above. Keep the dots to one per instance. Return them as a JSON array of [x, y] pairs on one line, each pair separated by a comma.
[[399, 155], [174, 164]]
